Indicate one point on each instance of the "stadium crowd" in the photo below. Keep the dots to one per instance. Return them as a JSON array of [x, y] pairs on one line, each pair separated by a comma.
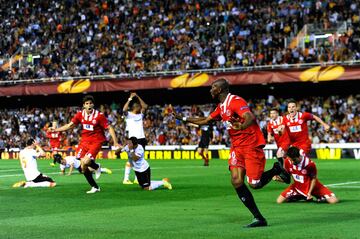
[[76, 37], [342, 113]]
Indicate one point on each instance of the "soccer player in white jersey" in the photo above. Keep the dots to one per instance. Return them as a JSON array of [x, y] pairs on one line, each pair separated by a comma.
[[134, 126], [141, 167], [71, 162], [28, 163]]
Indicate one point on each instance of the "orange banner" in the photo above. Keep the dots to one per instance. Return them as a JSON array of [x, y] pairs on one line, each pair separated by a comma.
[[314, 74]]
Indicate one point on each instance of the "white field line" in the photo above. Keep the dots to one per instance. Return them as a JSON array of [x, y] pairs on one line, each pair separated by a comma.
[[345, 186], [339, 184], [9, 170], [51, 173]]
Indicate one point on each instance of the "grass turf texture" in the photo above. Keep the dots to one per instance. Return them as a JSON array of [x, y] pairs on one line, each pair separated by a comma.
[[202, 204]]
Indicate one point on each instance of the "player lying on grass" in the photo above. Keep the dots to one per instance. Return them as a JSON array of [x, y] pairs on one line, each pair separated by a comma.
[[28, 163], [306, 185], [71, 162], [141, 167]]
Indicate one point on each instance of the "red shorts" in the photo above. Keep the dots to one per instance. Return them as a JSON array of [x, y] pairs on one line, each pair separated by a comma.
[[55, 146], [251, 159], [320, 191], [88, 148]]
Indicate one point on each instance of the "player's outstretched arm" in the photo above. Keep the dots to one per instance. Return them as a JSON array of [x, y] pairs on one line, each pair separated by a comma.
[[62, 128], [320, 121]]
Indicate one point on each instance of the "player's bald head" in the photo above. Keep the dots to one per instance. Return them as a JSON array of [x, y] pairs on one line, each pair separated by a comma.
[[223, 84]]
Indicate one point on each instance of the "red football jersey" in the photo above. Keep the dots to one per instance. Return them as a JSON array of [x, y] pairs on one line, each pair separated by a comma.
[[54, 138], [234, 107], [281, 139], [297, 128], [93, 125], [302, 174]]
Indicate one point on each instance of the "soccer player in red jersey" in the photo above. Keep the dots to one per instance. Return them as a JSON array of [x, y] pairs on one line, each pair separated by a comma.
[[306, 185], [54, 141], [94, 124], [296, 123], [276, 128], [247, 141]]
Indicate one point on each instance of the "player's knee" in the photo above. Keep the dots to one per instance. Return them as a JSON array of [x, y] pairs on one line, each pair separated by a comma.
[[146, 188], [86, 161], [256, 185], [237, 181]]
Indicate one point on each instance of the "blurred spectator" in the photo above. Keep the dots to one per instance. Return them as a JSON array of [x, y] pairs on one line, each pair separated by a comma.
[[342, 113], [78, 38]]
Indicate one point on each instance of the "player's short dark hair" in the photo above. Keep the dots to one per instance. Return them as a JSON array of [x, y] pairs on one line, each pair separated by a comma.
[[223, 83], [57, 158], [30, 142], [291, 101], [293, 152], [274, 109], [87, 98], [134, 140]]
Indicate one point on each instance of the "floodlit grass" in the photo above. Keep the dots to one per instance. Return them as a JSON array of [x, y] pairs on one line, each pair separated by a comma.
[[202, 204]]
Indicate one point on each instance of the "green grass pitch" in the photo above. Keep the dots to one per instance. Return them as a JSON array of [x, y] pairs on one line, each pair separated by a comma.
[[202, 204]]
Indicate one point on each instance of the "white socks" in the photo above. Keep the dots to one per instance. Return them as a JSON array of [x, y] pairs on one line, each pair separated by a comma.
[[37, 185], [155, 184], [127, 171]]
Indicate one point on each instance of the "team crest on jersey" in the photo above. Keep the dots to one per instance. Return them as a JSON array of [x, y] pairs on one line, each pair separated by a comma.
[[94, 121], [303, 171], [301, 121], [228, 113]]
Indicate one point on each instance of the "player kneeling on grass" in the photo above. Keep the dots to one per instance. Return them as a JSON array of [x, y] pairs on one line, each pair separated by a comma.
[[306, 185], [141, 167], [72, 162], [28, 162]]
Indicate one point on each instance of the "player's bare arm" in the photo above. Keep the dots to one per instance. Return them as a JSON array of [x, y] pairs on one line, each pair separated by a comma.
[[70, 169], [126, 106], [269, 138], [320, 121], [194, 120], [41, 152], [144, 106], [62, 128], [312, 186], [113, 136], [248, 120]]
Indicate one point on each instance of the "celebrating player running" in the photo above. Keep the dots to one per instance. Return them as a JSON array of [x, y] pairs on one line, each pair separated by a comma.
[[247, 141], [94, 123]]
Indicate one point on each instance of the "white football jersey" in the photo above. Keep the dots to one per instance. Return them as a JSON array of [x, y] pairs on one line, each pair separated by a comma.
[[29, 164], [69, 161], [134, 125], [139, 165]]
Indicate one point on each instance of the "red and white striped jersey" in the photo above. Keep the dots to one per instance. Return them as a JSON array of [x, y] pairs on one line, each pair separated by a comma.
[[281, 136], [93, 125], [297, 127]]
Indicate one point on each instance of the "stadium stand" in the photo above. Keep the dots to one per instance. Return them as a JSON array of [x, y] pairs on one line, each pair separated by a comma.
[[41, 39], [342, 113]]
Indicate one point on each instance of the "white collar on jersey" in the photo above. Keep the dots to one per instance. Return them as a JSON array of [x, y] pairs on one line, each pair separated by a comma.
[[226, 102], [295, 118], [90, 116]]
